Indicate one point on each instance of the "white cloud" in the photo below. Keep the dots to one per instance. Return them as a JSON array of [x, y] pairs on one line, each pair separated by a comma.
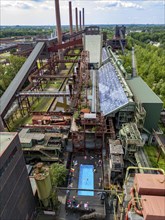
[[17, 4], [118, 4], [96, 11]]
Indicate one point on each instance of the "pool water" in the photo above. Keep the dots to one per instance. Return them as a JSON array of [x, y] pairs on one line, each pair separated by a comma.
[[86, 180]]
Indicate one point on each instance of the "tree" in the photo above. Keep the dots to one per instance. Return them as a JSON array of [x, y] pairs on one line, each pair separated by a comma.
[[58, 174], [7, 73], [12, 51]]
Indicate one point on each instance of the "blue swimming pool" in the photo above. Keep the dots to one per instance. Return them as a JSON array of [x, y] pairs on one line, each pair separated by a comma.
[[86, 180]]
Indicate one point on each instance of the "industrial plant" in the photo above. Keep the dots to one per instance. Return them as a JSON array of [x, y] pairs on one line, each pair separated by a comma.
[[94, 118]]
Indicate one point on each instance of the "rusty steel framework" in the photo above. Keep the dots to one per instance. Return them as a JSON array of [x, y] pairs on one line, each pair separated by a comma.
[[82, 79], [41, 76], [91, 131], [95, 126]]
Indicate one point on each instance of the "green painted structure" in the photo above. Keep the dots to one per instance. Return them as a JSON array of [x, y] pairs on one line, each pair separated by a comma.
[[43, 182], [149, 100]]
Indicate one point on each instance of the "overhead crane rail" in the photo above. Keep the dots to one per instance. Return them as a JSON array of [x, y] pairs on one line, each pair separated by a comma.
[[51, 76], [66, 61], [53, 94]]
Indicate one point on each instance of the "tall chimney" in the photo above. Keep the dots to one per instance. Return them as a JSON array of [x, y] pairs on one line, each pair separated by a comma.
[[76, 12], [58, 21], [83, 18], [70, 18], [80, 19]]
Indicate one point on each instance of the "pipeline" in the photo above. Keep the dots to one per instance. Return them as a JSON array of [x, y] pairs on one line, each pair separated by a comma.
[[128, 208], [143, 168], [133, 203]]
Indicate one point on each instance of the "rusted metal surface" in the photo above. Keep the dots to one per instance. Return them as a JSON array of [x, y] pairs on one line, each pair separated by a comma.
[[65, 45], [153, 207], [53, 113], [50, 120], [150, 184]]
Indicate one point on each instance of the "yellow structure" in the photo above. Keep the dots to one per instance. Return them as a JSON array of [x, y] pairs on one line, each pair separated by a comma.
[[43, 182]]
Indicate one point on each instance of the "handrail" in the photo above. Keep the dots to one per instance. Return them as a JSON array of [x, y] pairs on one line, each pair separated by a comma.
[[143, 168]]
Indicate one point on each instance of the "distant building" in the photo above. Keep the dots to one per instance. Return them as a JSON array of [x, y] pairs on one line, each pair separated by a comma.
[[17, 201]]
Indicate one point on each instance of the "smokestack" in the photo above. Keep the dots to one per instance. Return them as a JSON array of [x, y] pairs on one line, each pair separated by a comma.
[[70, 18], [76, 12], [80, 19], [58, 21], [83, 18]]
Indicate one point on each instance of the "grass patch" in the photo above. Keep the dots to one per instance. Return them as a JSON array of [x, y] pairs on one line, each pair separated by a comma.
[[54, 85], [20, 121], [77, 51], [42, 105], [68, 65], [153, 152]]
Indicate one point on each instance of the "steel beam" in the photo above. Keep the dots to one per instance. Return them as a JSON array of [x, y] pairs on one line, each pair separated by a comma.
[[57, 94]]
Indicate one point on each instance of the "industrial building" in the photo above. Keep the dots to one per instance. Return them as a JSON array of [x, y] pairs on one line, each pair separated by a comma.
[[95, 124], [17, 201], [149, 100]]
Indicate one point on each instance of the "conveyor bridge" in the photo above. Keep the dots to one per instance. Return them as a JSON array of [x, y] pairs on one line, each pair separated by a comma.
[[9, 96]]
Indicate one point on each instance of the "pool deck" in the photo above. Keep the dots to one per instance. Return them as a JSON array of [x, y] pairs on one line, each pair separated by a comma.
[[94, 201]]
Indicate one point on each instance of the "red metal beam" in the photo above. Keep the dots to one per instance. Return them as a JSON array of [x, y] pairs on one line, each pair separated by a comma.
[[65, 45]]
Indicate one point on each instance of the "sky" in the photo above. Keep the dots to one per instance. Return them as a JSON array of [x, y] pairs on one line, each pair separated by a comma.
[[42, 12]]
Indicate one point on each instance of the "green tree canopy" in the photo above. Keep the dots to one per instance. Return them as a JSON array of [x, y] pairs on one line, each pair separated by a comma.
[[8, 72], [58, 174]]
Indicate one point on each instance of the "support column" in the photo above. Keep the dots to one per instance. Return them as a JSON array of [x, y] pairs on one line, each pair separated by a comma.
[[58, 22], [70, 18], [76, 15], [80, 20], [83, 18], [59, 32]]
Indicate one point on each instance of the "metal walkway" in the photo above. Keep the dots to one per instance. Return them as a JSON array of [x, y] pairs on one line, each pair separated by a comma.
[[9, 95]]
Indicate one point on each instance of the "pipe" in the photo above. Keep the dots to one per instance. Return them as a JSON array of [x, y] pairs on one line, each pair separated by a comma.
[[70, 18], [143, 168], [94, 190], [80, 20], [132, 202], [129, 207], [76, 13], [83, 18], [139, 212], [58, 21]]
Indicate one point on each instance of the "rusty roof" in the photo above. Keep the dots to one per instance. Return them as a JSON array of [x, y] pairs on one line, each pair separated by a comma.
[[150, 184], [153, 207]]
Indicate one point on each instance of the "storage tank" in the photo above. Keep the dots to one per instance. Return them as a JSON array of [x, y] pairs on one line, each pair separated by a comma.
[[42, 177]]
